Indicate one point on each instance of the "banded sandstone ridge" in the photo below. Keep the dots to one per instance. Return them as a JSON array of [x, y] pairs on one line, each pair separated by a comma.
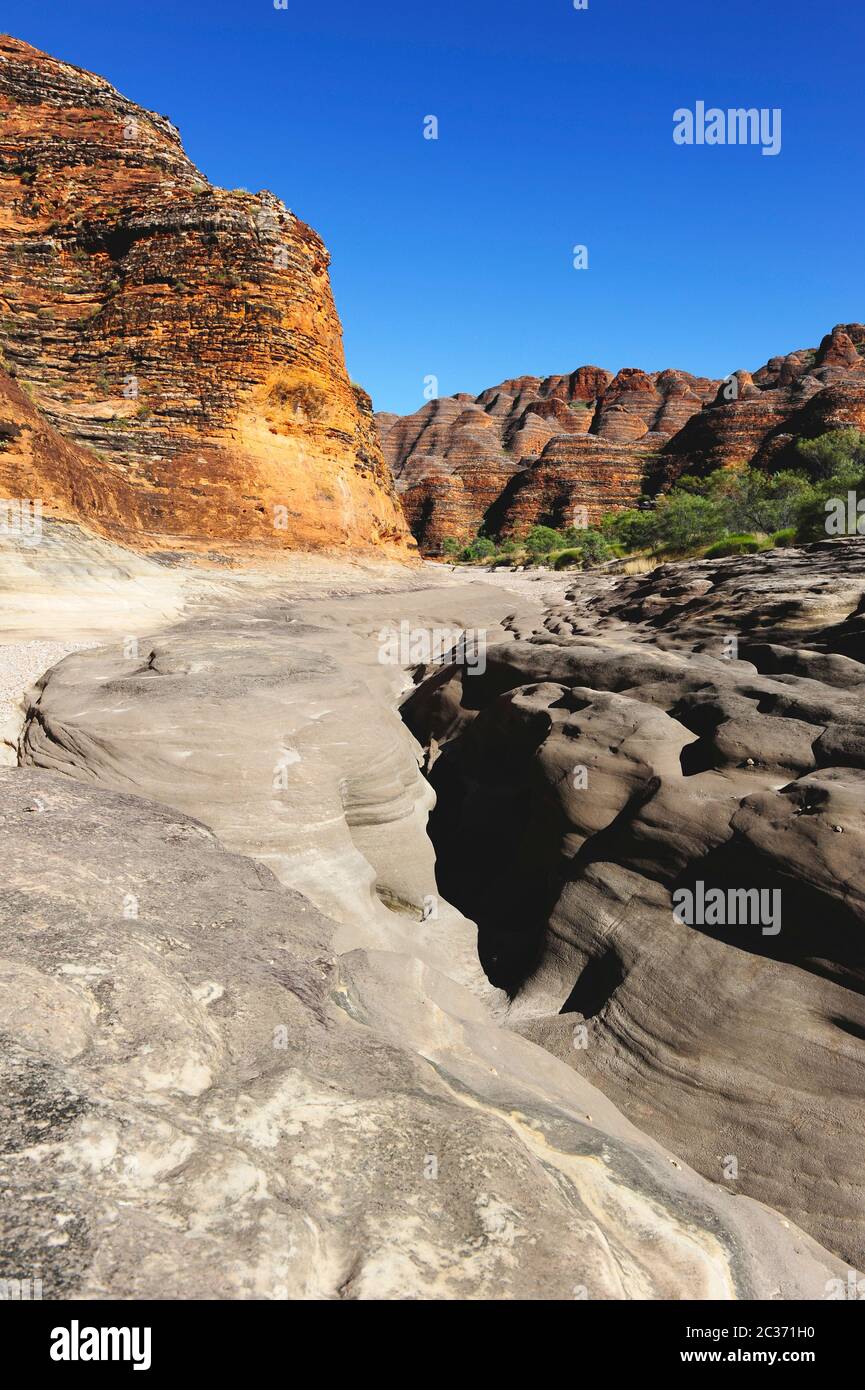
[[535, 450], [182, 340]]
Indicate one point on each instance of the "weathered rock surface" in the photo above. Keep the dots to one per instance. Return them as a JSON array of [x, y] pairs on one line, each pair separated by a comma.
[[220, 1087], [532, 451], [628, 749], [798, 396], [182, 339]]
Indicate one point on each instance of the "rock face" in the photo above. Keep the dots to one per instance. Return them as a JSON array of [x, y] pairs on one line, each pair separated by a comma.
[[798, 396], [533, 450], [700, 725], [181, 339], [218, 1084], [570, 448]]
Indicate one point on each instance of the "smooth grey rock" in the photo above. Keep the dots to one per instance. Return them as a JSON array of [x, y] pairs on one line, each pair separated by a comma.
[[199, 1099], [742, 1050], [253, 1066]]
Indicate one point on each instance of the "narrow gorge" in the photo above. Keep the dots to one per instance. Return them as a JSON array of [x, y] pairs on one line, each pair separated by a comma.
[[373, 927]]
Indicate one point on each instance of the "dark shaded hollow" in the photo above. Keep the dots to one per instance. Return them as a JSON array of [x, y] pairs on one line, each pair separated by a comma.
[[597, 983]]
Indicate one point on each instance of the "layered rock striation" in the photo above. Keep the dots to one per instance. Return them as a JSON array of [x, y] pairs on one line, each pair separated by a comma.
[[533, 450], [182, 336], [802, 395], [564, 450]]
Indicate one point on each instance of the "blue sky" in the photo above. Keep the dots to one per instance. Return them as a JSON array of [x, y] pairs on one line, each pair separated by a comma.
[[453, 257]]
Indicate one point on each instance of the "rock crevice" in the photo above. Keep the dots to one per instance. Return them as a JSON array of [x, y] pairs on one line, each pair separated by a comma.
[[613, 764]]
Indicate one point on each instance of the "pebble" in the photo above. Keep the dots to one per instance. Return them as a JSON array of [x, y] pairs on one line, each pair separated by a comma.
[[22, 663]]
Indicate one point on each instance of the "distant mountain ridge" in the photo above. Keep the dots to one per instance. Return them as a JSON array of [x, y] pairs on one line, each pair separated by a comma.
[[536, 450]]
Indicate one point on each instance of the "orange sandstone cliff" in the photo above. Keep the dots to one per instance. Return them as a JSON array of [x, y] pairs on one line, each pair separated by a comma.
[[179, 379]]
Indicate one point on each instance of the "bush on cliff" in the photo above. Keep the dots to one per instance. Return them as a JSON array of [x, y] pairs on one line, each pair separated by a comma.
[[833, 452], [843, 453]]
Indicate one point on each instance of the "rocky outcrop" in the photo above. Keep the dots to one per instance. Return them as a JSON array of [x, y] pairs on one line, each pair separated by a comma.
[[798, 396], [697, 730], [215, 1081], [533, 450], [181, 339], [568, 449]]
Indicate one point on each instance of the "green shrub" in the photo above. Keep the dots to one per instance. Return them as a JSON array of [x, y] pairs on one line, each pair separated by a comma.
[[754, 501], [734, 545], [721, 514], [568, 559], [838, 458], [683, 520], [593, 547], [833, 452], [630, 530], [479, 549], [542, 539]]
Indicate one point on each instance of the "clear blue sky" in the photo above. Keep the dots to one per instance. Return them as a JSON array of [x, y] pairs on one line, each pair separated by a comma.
[[453, 257]]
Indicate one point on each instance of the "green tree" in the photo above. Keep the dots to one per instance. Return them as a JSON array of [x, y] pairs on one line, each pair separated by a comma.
[[684, 520], [833, 452], [593, 547], [634, 529], [481, 548], [751, 500], [542, 539]]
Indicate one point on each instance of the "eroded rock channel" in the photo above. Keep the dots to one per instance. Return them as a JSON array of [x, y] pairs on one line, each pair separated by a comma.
[[237, 1070], [652, 806]]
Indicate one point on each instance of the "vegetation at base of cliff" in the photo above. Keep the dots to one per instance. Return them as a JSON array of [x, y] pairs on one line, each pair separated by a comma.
[[733, 511]]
